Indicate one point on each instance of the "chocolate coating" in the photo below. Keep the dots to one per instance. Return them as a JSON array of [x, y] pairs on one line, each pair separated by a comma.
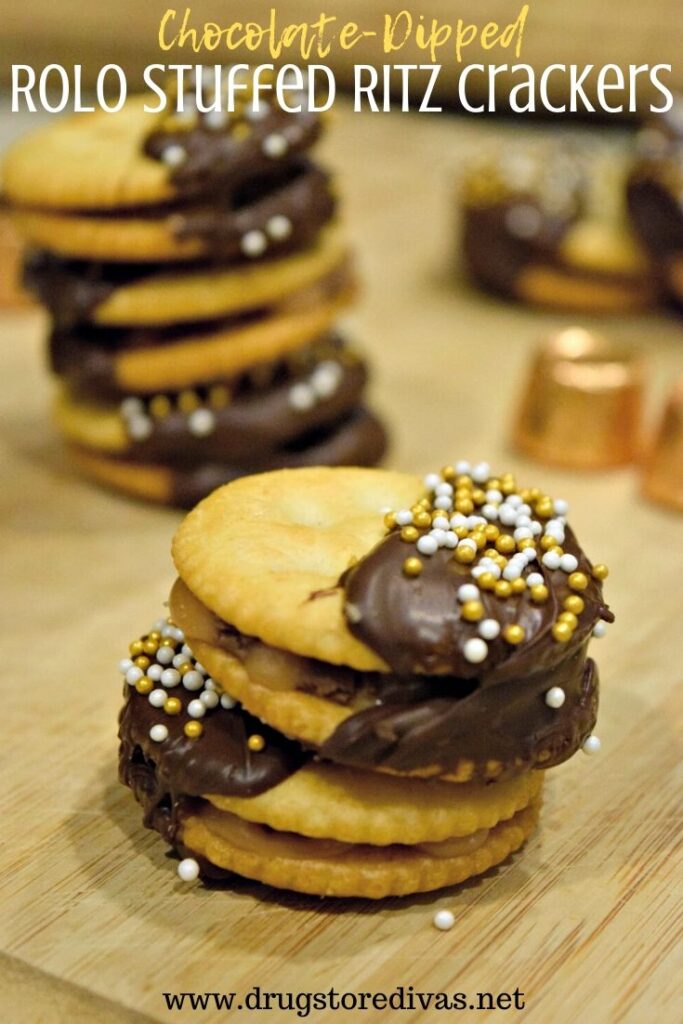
[[415, 624], [250, 428], [163, 775], [358, 439], [219, 159]]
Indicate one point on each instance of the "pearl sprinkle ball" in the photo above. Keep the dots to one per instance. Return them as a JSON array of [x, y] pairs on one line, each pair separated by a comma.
[[188, 870], [444, 920]]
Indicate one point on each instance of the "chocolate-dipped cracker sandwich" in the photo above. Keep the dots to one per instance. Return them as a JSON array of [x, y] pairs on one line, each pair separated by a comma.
[[548, 226], [655, 196], [363, 678], [194, 272]]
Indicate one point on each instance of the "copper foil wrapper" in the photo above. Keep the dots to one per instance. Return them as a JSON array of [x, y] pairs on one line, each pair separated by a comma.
[[663, 464], [582, 402]]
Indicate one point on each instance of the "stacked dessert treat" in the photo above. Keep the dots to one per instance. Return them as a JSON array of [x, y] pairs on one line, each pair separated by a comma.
[[193, 272], [363, 679], [549, 226]]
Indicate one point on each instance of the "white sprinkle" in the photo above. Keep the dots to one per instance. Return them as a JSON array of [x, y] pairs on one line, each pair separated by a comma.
[[208, 683], [133, 674], [140, 427], [352, 612], [201, 422], [451, 540], [179, 660], [443, 488], [507, 515], [523, 509], [154, 672], [164, 655], [186, 651], [530, 555], [444, 920], [458, 520], [592, 745], [536, 528], [467, 542], [463, 467], [490, 512], [522, 519], [514, 500], [404, 517], [279, 227], [494, 496], [599, 629], [440, 523], [427, 545], [561, 507], [158, 698], [475, 650], [227, 702], [473, 521], [177, 634], [174, 155], [554, 698], [443, 502], [512, 571], [432, 481], [258, 112], [524, 220], [215, 119], [170, 677], [481, 472], [253, 243], [522, 533], [193, 680], [274, 145], [534, 579], [209, 698], [439, 536], [301, 397], [124, 665], [188, 870], [326, 378], [158, 733], [468, 592], [569, 563], [489, 629], [551, 560], [131, 406], [196, 709]]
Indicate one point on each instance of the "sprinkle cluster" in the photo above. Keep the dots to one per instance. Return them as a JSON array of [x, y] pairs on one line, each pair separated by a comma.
[[321, 384], [500, 531], [159, 662], [140, 414]]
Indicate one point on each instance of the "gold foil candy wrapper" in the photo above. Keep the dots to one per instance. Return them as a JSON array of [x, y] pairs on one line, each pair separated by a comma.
[[663, 462]]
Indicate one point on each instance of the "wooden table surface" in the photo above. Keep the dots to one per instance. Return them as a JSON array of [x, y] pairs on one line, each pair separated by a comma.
[[94, 924]]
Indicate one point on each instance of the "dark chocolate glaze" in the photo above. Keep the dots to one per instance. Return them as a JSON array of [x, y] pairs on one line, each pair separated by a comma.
[[164, 775], [71, 290], [655, 186], [414, 624], [218, 160], [496, 257], [358, 439], [251, 428], [509, 723], [303, 196]]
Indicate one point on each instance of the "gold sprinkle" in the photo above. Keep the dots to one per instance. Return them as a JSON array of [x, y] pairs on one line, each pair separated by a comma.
[[518, 585], [562, 632], [193, 729], [390, 520], [409, 534], [600, 572], [487, 581], [472, 611], [503, 588], [173, 705], [188, 401], [574, 603], [465, 554], [150, 646], [569, 618], [513, 634], [160, 406], [137, 647], [412, 567], [539, 593], [578, 581], [422, 519], [144, 685], [505, 544], [256, 743], [219, 396]]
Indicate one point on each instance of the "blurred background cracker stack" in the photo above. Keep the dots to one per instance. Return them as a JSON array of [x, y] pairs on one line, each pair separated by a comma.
[[193, 272]]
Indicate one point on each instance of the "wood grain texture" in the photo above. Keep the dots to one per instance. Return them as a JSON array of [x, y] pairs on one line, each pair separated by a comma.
[[586, 922]]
